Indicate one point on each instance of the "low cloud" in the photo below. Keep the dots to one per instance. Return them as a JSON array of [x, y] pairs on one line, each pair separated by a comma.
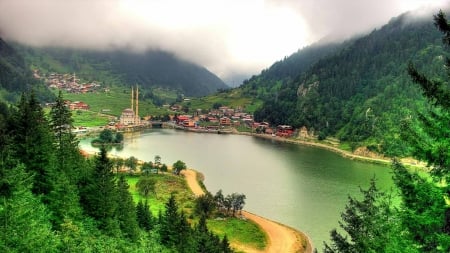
[[228, 37]]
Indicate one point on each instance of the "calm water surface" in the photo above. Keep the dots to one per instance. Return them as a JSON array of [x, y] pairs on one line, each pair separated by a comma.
[[303, 187]]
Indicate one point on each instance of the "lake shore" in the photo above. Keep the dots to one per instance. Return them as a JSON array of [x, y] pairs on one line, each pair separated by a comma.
[[281, 238], [410, 162]]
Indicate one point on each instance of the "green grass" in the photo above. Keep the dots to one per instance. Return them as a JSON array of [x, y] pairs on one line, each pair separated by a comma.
[[114, 102], [345, 146], [89, 118], [237, 230], [166, 184]]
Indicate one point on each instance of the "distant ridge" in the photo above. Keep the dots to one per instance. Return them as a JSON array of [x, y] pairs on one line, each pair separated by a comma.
[[148, 69]]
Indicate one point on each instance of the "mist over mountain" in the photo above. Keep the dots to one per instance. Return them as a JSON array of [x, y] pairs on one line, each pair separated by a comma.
[[358, 90], [147, 69]]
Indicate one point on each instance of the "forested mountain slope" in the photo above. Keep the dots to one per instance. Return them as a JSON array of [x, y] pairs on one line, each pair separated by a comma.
[[270, 80], [15, 76], [147, 69], [360, 91]]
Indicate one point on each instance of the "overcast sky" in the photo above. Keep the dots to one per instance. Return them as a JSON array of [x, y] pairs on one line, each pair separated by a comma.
[[228, 37]]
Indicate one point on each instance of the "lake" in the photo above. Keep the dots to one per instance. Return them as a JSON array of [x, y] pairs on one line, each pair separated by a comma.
[[301, 186]]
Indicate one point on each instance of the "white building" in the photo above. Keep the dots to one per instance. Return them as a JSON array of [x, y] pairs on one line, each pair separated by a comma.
[[129, 117]]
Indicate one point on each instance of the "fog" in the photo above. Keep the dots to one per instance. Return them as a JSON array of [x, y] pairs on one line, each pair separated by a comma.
[[231, 38]]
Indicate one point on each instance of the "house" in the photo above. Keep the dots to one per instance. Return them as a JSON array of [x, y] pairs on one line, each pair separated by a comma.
[[181, 118], [225, 121], [188, 123], [285, 130], [78, 105]]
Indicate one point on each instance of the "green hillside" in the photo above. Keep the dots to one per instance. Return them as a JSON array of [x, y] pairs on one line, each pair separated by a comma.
[[149, 69], [16, 77], [359, 91]]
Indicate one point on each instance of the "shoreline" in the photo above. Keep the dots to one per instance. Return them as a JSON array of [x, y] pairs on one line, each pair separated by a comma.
[[281, 237], [409, 162]]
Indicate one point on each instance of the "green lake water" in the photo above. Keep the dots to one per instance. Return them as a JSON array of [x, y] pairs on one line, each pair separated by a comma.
[[300, 186]]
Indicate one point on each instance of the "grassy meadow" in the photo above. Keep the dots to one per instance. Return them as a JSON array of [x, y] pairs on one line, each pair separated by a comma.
[[238, 231]]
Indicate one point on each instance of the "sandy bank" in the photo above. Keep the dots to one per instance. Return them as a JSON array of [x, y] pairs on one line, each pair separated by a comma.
[[281, 238]]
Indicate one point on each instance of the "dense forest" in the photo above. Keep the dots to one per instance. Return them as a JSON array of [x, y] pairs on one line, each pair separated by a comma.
[[415, 216], [121, 67], [53, 199], [356, 91]]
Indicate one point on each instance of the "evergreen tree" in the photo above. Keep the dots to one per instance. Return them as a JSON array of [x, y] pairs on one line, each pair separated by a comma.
[[370, 225], [423, 210], [225, 244], [68, 155], [24, 219], [33, 142], [126, 213], [169, 222], [426, 215], [63, 200], [144, 216], [64, 197], [100, 196], [175, 230]]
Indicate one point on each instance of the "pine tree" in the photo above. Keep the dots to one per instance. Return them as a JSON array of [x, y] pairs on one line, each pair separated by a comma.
[[370, 225], [24, 219], [126, 211], [423, 210], [427, 216], [144, 216], [225, 244], [68, 154], [175, 230], [99, 194], [64, 197], [169, 222], [33, 142]]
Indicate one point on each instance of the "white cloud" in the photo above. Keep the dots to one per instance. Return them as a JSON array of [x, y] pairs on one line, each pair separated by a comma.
[[225, 36]]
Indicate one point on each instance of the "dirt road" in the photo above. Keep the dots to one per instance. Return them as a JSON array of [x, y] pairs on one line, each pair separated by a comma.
[[280, 237]]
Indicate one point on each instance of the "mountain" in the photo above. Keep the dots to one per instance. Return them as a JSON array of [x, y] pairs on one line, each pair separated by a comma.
[[16, 77], [358, 91], [270, 80], [122, 67]]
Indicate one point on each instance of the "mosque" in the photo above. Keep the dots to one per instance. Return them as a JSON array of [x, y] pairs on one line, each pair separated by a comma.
[[129, 116]]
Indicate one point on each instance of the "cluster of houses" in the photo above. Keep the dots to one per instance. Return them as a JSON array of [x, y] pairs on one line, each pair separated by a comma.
[[222, 116], [227, 117], [66, 82]]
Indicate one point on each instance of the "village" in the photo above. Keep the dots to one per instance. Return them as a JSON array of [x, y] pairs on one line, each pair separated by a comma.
[[221, 120], [67, 82]]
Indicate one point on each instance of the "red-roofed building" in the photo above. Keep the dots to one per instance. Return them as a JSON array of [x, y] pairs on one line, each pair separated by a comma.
[[78, 105]]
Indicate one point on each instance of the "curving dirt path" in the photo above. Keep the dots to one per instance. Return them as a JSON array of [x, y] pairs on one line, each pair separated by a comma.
[[281, 238]]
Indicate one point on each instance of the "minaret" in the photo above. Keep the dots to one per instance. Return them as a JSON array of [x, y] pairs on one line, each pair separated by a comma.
[[137, 121], [132, 99]]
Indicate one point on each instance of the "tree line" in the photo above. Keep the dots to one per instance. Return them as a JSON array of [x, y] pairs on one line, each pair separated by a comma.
[[219, 205], [53, 199]]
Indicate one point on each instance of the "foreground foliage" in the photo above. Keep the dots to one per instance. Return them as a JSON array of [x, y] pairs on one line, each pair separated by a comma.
[[421, 222], [52, 199]]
